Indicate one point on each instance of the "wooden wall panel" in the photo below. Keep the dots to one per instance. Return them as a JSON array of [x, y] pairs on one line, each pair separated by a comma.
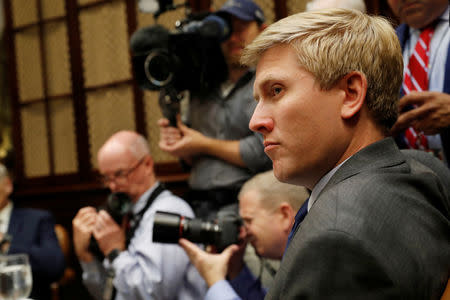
[[29, 65], [104, 44], [57, 58], [62, 120], [109, 110], [35, 142]]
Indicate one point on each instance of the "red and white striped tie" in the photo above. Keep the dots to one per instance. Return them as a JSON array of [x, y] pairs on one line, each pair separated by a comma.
[[416, 79]]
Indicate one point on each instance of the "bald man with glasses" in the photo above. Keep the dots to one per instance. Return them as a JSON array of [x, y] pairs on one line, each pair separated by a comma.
[[134, 267]]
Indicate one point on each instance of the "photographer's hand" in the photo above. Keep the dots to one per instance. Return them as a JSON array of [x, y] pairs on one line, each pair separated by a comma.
[[108, 233], [182, 142], [236, 263], [194, 143], [168, 135], [83, 226], [212, 267]]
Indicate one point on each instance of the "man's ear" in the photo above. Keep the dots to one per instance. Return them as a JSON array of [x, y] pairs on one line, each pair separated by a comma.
[[149, 162], [288, 215], [354, 85], [8, 186]]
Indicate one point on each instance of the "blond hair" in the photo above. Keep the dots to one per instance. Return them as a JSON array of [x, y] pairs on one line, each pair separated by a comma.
[[333, 42], [273, 192]]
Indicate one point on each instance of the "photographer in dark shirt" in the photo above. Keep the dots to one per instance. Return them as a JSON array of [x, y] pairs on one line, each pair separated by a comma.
[[220, 148]]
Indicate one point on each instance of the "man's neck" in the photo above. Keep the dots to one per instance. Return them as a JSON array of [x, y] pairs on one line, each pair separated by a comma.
[[3, 204], [145, 188]]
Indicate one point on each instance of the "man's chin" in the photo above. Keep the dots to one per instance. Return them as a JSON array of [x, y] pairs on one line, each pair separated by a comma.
[[258, 250]]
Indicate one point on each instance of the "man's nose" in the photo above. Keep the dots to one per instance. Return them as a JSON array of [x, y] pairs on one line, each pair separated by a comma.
[[261, 122], [112, 185]]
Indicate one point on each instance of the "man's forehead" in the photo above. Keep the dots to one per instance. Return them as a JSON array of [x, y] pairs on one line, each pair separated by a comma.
[[274, 58], [249, 201], [115, 160]]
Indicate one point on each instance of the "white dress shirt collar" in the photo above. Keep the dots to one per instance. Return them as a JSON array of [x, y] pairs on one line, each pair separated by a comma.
[[321, 184], [5, 216], [143, 199]]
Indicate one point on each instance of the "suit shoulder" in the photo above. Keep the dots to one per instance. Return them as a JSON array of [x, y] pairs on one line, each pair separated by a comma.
[[33, 212], [382, 195]]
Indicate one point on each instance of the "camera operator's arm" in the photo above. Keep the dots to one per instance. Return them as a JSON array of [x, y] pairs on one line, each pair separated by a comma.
[[193, 143]]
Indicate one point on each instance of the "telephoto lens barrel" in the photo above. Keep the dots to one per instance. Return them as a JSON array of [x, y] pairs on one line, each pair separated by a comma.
[[170, 227]]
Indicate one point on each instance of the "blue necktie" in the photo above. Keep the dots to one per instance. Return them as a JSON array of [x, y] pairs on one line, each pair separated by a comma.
[[298, 219]]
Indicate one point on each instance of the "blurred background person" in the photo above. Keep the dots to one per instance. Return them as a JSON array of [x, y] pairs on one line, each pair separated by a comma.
[[348, 4], [33, 233], [267, 208], [218, 145], [140, 268], [424, 121]]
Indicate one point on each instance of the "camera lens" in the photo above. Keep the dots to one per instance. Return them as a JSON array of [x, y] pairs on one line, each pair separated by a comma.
[[167, 227], [158, 68], [170, 227]]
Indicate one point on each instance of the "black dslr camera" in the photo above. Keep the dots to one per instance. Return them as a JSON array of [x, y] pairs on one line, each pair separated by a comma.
[[170, 227], [117, 205], [189, 58]]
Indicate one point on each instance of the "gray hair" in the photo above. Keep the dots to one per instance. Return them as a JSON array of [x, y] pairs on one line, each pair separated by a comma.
[[273, 192], [139, 147]]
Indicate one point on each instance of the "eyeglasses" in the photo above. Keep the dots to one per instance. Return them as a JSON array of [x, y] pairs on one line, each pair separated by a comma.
[[120, 176]]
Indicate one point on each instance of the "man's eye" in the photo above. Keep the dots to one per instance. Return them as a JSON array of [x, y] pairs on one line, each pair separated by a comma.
[[276, 90], [118, 173]]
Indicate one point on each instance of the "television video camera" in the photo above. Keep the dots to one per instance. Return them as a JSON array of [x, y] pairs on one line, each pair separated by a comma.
[[117, 205], [170, 227], [188, 58]]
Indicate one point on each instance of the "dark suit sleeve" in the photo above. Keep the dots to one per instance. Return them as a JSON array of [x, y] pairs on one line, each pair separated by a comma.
[[46, 257], [247, 286], [333, 266]]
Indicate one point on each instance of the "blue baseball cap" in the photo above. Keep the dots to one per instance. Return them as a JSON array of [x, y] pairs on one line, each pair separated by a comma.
[[245, 10]]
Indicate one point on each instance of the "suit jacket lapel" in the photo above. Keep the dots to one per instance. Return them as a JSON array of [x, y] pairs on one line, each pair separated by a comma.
[[15, 224], [381, 154], [403, 34]]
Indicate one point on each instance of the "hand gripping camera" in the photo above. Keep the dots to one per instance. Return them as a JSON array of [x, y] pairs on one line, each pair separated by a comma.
[[117, 205]]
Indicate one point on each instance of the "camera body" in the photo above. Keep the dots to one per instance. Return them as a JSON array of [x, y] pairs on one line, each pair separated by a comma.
[[117, 205], [170, 227], [189, 58]]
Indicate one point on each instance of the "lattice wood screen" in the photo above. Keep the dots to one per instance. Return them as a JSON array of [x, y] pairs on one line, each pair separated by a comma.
[[74, 82]]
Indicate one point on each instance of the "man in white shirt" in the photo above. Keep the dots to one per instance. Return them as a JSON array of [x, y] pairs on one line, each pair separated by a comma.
[[142, 269]]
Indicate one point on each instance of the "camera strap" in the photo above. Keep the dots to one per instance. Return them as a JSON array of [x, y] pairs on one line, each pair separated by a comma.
[[136, 219]]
